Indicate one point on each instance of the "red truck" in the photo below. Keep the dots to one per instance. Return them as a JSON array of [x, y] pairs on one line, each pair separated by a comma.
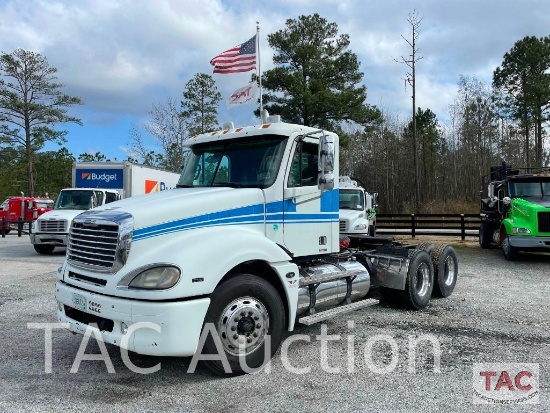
[[26, 208]]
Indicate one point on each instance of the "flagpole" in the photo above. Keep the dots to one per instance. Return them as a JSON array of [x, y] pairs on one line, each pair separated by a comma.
[[259, 69]]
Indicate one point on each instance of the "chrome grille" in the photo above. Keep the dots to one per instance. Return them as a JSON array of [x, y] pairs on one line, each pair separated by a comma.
[[52, 225], [343, 226], [544, 221], [93, 244]]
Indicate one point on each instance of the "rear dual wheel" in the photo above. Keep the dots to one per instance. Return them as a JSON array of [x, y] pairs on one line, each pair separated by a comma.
[[445, 264], [485, 235], [419, 283]]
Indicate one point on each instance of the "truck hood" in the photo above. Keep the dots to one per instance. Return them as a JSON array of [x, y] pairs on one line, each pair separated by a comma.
[[526, 202], [60, 214], [166, 211], [351, 214]]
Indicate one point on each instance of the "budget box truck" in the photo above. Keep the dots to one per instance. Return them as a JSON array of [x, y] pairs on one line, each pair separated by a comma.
[[129, 179]]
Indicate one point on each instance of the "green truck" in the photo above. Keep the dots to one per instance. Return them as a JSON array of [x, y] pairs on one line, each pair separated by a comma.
[[515, 210]]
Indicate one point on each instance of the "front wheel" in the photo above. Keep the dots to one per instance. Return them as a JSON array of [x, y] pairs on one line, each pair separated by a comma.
[[510, 253], [44, 248], [372, 230], [247, 315]]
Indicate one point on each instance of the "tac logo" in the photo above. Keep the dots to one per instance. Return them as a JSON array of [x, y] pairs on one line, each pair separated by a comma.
[[505, 383], [86, 175], [154, 186]]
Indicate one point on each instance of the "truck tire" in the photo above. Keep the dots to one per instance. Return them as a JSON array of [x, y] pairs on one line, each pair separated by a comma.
[[419, 284], [425, 246], [485, 235], [445, 262], [372, 230], [420, 280], [510, 253], [244, 310], [44, 248]]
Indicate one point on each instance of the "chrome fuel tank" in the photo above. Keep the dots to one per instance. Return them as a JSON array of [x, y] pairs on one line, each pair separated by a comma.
[[331, 293]]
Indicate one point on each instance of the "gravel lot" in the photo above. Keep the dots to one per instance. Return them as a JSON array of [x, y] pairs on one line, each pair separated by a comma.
[[499, 312]]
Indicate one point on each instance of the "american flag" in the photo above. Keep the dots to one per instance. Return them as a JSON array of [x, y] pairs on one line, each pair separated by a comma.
[[241, 58]]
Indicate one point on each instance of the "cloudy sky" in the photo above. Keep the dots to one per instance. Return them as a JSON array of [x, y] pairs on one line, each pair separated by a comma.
[[122, 56]]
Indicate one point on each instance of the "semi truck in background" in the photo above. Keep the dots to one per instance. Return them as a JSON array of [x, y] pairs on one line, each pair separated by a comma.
[[515, 210], [24, 209], [247, 245], [357, 208], [95, 184], [51, 229]]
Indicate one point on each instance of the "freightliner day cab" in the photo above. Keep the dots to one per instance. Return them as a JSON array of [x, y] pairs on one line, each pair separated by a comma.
[[246, 246]]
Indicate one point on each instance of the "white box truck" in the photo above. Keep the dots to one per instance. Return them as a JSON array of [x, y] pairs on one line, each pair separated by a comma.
[[95, 184], [129, 179], [247, 245]]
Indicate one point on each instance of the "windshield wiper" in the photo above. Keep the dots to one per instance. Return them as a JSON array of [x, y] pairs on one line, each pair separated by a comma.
[[184, 186]]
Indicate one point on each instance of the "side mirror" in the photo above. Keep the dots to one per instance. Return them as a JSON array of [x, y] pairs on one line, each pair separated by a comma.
[[375, 199], [326, 162]]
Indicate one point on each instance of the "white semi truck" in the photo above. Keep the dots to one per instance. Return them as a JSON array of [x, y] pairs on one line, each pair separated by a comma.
[[95, 184], [51, 229], [245, 247], [357, 208]]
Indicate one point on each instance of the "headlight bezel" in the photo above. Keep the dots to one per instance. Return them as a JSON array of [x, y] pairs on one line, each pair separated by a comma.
[[137, 279], [520, 230]]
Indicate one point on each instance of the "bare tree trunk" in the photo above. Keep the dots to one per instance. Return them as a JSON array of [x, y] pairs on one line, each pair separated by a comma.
[[415, 22]]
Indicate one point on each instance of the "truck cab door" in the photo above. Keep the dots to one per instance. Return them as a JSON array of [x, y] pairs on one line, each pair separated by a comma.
[[307, 228]]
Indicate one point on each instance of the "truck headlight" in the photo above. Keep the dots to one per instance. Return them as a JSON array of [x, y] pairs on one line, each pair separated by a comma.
[[156, 278], [520, 230], [360, 227], [34, 225]]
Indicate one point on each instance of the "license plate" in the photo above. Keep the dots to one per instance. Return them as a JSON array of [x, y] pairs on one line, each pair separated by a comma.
[[79, 302]]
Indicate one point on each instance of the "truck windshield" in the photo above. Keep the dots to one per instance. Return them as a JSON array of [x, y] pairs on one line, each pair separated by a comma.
[[250, 163], [74, 200], [526, 189], [44, 203], [351, 199]]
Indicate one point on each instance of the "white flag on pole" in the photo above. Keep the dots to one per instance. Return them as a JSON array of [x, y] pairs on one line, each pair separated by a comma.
[[243, 95]]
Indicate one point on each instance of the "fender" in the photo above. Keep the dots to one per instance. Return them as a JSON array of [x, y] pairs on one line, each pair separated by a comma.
[[206, 255]]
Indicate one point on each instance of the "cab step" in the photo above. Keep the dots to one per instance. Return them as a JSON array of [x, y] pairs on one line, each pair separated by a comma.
[[329, 276], [336, 311]]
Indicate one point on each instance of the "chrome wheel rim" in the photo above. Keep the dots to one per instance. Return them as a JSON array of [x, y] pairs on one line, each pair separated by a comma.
[[243, 326], [449, 271], [422, 279]]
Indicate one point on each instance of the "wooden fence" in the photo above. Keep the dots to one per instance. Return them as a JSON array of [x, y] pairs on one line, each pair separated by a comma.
[[461, 225]]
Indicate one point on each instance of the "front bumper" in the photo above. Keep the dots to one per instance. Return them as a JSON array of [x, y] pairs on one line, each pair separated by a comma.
[[59, 240], [522, 242], [179, 322]]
